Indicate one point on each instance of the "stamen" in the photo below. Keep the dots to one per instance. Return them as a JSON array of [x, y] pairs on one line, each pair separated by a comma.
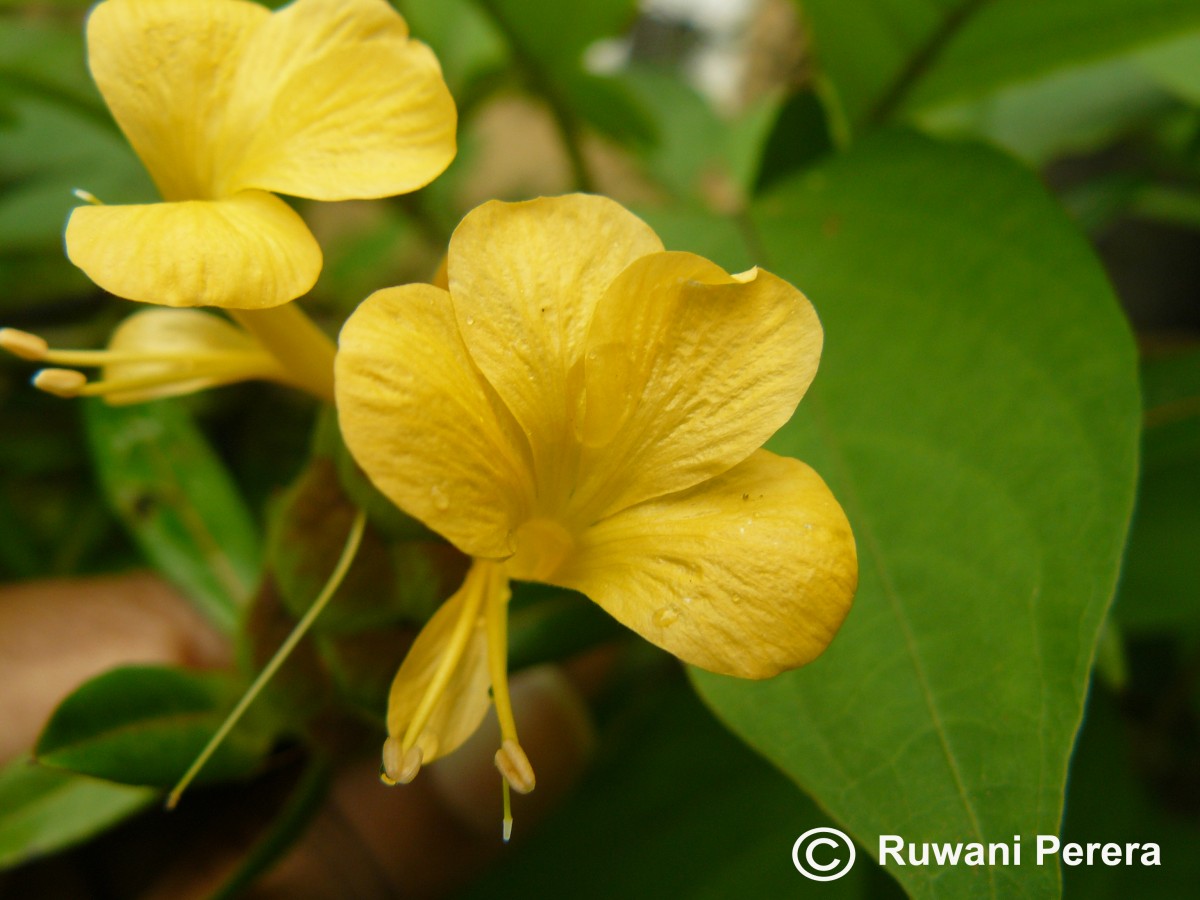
[[87, 197], [23, 344], [514, 766], [60, 382], [285, 649]]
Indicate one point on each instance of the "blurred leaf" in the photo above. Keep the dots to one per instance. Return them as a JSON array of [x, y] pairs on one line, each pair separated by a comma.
[[468, 46], [548, 40], [880, 57], [44, 810], [56, 135], [695, 152], [146, 724], [179, 503], [1110, 803], [1160, 582], [1074, 111], [976, 413], [799, 136], [1175, 65], [674, 807]]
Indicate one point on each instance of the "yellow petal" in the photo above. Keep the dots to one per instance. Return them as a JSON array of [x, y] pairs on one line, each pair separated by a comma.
[[462, 704], [748, 574], [688, 371], [188, 351], [525, 278], [423, 423], [340, 105], [250, 251], [167, 72]]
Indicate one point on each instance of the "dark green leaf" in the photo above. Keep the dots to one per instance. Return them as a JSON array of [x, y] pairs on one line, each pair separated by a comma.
[[178, 501], [1111, 801], [1160, 583], [976, 412], [145, 725], [43, 810]]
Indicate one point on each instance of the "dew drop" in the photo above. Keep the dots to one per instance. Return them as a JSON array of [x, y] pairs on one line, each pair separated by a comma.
[[666, 616], [470, 320], [440, 500]]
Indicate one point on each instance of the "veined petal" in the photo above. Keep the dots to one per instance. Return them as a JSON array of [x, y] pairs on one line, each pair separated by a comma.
[[167, 71], [749, 574], [525, 278], [688, 371], [424, 424], [249, 252], [335, 103], [460, 706]]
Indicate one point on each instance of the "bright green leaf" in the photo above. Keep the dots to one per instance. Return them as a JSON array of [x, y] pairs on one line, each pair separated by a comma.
[[146, 724], [1176, 66], [178, 501], [44, 810], [976, 412]]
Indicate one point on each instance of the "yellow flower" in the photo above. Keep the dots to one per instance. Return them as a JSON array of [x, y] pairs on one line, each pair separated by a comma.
[[584, 409], [159, 353], [226, 102]]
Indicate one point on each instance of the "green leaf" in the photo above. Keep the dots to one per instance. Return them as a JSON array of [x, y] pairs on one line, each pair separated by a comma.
[[177, 500], [1160, 582], [44, 810], [146, 724], [1075, 111], [1176, 66], [673, 808], [976, 413], [55, 135], [881, 57]]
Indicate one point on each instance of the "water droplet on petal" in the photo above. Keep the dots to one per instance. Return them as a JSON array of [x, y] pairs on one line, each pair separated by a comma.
[[440, 500], [666, 616]]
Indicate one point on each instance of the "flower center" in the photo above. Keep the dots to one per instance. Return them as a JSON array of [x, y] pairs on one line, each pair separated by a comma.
[[542, 546]]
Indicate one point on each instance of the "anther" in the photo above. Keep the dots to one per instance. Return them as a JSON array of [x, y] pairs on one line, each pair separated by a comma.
[[87, 197], [23, 344], [514, 766], [400, 766], [60, 382]]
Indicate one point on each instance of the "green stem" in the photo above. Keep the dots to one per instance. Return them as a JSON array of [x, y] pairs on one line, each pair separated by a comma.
[[288, 334], [921, 61], [285, 649]]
